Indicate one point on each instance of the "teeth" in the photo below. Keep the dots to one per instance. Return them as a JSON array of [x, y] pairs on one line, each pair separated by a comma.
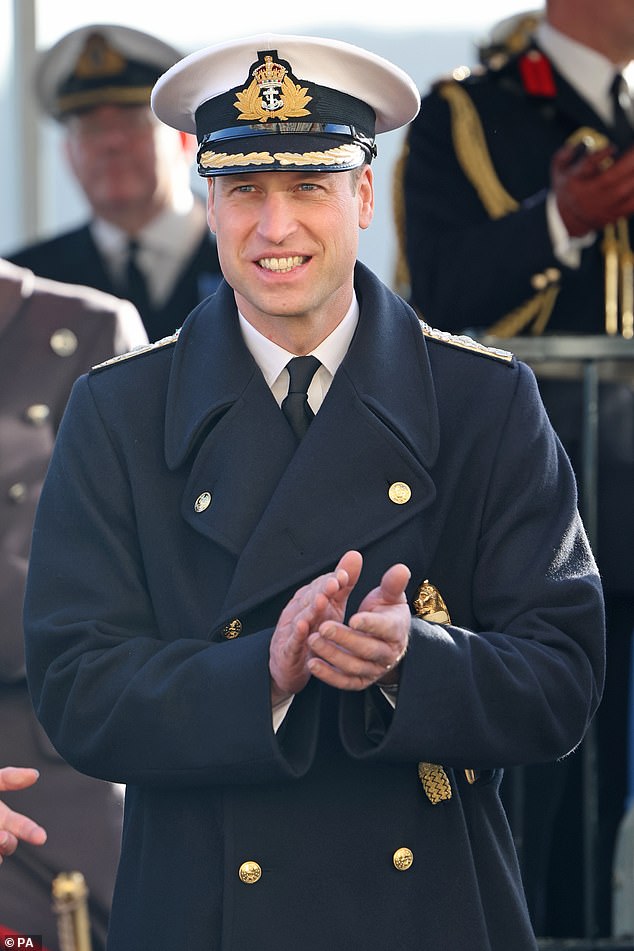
[[281, 265]]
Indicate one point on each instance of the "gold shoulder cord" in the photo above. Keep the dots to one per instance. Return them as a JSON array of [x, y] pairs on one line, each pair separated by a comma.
[[475, 160], [429, 605], [473, 153]]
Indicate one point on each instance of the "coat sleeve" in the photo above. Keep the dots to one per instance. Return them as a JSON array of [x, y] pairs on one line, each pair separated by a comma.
[[121, 698], [466, 269], [519, 683]]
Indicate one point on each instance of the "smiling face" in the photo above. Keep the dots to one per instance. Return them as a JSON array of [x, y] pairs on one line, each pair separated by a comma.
[[287, 243]]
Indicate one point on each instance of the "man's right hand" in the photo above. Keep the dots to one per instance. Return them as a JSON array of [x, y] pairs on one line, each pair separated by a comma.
[[14, 826], [324, 599], [592, 188]]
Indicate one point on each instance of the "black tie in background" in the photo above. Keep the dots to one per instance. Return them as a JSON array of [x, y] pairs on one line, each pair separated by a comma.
[[135, 285], [295, 405], [623, 130]]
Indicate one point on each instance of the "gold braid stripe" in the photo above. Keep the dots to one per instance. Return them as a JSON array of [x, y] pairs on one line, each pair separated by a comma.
[[127, 95]]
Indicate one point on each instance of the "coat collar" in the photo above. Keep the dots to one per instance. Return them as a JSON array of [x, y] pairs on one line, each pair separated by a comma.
[[388, 348], [286, 515]]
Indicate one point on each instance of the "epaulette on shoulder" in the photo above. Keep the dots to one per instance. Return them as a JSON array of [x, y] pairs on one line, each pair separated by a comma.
[[138, 351], [463, 342]]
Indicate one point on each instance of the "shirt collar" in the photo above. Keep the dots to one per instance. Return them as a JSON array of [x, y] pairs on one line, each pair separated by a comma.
[[272, 359], [179, 227]]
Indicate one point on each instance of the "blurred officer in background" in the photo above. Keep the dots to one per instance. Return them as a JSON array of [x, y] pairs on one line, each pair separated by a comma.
[[147, 239], [49, 334], [519, 204]]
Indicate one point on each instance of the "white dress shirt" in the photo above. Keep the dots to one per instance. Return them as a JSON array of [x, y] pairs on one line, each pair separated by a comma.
[[272, 359], [166, 245]]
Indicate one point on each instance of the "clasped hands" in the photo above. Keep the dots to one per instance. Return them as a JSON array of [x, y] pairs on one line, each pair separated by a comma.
[[312, 640], [13, 825], [592, 188]]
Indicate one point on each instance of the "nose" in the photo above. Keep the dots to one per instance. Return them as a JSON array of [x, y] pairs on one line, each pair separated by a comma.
[[276, 222]]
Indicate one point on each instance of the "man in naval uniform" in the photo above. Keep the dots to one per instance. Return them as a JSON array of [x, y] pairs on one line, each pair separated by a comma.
[[327, 579], [519, 219], [49, 334], [147, 239]]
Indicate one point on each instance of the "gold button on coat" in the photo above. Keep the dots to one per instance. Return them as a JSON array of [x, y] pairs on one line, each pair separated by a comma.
[[232, 629], [399, 493], [250, 872], [17, 492], [63, 342], [202, 502], [37, 414], [403, 859]]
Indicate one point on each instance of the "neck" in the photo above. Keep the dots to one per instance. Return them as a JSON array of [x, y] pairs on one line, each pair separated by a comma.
[[588, 25]]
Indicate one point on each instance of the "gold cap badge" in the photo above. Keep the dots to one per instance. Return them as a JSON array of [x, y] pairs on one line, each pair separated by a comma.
[[272, 94]]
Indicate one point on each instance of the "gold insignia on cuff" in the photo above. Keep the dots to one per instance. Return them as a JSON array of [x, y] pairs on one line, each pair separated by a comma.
[[435, 782], [232, 629], [430, 605]]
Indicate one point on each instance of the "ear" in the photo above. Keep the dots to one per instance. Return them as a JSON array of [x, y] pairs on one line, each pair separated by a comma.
[[365, 192], [211, 206]]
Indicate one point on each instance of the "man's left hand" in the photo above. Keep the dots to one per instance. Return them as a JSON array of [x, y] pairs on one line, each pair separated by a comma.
[[370, 647]]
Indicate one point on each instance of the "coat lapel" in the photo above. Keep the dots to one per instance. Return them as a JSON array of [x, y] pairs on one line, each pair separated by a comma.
[[288, 514]]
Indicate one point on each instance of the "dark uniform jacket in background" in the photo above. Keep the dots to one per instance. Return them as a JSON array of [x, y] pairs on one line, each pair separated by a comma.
[[194, 519], [49, 334], [74, 258], [471, 269]]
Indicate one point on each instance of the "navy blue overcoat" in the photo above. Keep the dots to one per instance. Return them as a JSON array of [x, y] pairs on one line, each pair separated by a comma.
[[136, 592]]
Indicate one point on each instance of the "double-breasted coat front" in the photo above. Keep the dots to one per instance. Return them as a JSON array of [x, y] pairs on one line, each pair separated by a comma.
[[189, 519]]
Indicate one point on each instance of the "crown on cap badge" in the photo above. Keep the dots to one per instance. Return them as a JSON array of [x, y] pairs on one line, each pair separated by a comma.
[[271, 94]]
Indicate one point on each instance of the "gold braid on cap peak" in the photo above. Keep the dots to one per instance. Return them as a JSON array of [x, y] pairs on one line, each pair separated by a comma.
[[340, 155]]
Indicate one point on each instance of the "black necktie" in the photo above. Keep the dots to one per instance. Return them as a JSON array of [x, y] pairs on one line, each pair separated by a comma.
[[623, 132], [135, 286], [295, 405]]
